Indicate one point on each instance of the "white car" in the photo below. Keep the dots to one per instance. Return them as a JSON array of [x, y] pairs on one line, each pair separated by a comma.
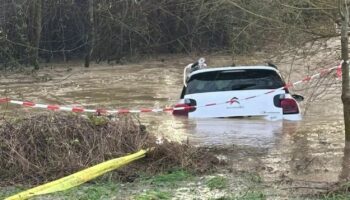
[[242, 91]]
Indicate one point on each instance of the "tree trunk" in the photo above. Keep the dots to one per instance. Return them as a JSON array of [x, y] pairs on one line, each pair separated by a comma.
[[344, 12], [34, 31], [345, 170], [91, 35]]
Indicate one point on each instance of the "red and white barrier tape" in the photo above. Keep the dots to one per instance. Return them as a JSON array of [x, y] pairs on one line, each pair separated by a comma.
[[156, 110], [81, 109]]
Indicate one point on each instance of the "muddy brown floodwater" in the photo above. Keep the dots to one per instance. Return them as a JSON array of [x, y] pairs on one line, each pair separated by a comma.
[[292, 156]]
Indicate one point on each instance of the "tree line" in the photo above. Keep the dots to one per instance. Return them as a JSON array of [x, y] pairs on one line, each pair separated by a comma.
[[34, 31]]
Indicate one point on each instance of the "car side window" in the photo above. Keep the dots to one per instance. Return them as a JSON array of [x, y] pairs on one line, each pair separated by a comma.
[[183, 92]]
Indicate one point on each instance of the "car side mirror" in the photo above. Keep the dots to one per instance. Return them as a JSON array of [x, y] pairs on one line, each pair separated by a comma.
[[298, 98]]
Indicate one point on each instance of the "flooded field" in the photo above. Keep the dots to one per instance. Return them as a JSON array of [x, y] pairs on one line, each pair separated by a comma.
[[291, 157]]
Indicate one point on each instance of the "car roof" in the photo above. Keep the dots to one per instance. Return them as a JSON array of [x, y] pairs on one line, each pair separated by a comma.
[[232, 68]]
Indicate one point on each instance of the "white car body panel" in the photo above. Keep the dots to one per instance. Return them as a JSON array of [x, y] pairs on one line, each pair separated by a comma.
[[240, 107], [233, 68]]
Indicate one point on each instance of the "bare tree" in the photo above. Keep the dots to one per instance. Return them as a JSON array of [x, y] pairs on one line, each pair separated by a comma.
[[344, 13], [34, 31], [90, 38]]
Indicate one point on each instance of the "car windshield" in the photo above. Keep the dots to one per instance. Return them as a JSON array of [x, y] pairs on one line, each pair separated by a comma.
[[236, 79]]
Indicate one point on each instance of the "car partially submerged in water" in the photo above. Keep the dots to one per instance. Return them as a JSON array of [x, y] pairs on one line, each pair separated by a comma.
[[242, 91]]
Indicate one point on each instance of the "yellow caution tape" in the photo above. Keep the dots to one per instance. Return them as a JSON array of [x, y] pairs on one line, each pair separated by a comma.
[[78, 178]]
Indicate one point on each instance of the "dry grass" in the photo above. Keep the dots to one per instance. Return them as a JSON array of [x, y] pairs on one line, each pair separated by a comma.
[[44, 147]]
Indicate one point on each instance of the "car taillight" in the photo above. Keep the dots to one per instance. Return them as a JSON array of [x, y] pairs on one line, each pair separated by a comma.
[[289, 106], [188, 106], [184, 111]]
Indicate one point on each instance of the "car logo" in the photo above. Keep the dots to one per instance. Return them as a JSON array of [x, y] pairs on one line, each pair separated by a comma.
[[233, 100]]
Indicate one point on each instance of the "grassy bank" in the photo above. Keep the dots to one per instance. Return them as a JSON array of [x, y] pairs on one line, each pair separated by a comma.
[[176, 184]]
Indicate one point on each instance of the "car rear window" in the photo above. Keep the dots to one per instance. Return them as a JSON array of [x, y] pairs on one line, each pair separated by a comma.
[[236, 79]]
